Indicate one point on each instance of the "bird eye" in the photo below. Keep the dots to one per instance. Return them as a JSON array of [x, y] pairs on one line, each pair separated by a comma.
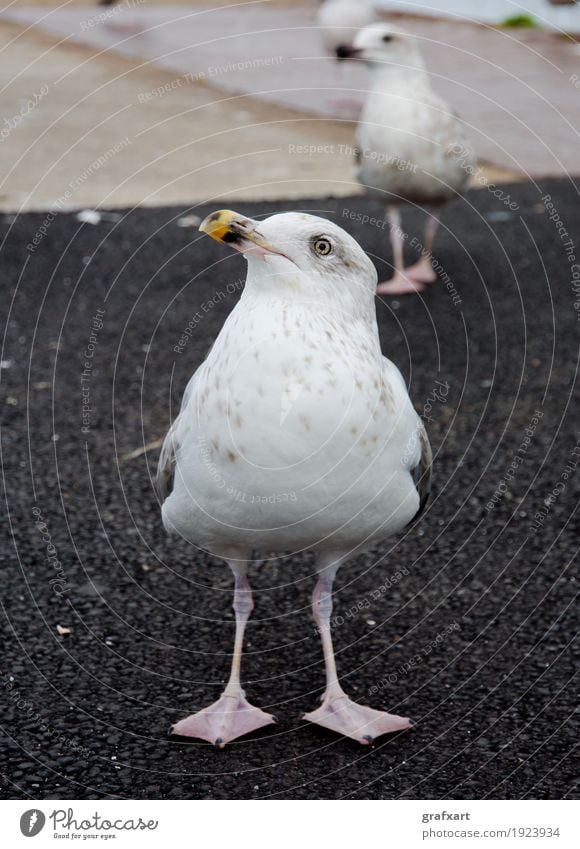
[[387, 38], [322, 247]]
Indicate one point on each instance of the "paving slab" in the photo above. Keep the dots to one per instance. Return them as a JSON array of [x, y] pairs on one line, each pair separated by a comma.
[[105, 130], [516, 90]]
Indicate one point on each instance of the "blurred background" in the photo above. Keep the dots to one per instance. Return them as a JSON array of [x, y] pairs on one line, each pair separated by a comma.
[[204, 99], [122, 126]]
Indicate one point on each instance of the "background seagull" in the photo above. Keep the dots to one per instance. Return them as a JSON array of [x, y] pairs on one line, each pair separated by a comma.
[[295, 433], [410, 146], [340, 20]]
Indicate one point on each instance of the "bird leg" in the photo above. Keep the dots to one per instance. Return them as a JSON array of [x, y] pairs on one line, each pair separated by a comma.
[[232, 715], [423, 270], [401, 283], [337, 711]]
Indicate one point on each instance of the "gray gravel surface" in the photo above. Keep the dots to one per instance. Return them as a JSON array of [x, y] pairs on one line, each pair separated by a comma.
[[474, 642]]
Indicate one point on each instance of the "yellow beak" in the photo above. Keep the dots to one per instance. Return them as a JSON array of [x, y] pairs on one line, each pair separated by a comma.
[[236, 230]]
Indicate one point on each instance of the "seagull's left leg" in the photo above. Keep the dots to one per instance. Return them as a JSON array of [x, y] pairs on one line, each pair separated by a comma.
[[232, 715], [338, 712], [423, 270]]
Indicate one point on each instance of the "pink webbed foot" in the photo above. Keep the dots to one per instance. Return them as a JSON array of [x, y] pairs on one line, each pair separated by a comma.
[[400, 284], [230, 717], [350, 719], [422, 271]]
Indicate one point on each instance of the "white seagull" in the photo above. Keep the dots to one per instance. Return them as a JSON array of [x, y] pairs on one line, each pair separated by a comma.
[[295, 433], [410, 146], [340, 20]]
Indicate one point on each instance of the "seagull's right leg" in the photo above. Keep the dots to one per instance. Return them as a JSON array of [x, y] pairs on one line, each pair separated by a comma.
[[423, 270], [400, 283], [232, 715]]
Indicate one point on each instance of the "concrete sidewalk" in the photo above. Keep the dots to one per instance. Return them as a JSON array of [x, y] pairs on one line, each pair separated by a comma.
[[145, 104], [121, 136], [562, 18]]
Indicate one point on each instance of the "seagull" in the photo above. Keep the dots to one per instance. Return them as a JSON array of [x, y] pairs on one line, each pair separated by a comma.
[[410, 146], [340, 20], [294, 434]]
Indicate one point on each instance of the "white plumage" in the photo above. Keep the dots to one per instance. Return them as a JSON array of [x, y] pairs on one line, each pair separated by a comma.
[[295, 433]]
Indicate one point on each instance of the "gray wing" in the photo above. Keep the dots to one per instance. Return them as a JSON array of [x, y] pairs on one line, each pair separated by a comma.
[[165, 475], [166, 466], [422, 471]]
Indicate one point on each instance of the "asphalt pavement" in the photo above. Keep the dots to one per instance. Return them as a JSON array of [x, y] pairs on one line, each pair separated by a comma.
[[111, 631]]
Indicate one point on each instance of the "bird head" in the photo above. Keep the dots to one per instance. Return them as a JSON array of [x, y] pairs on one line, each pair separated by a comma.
[[296, 253], [382, 44]]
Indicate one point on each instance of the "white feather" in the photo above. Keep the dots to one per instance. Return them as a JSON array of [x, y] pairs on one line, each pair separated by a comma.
[[408, 137]]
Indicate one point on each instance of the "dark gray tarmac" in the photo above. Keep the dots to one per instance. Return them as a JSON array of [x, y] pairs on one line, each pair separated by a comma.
[[475, 641]]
